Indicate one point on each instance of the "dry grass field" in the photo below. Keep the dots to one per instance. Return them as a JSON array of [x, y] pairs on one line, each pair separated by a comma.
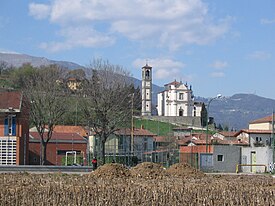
[[145, 184]]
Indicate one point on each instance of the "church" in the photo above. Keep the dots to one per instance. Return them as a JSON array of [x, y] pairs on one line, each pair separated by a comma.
[[176, 100]]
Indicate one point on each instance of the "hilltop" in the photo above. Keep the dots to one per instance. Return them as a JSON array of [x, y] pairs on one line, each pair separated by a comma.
[[18, 60]]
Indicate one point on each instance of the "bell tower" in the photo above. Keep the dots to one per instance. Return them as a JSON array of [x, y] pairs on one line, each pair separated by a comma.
[[146, 93]]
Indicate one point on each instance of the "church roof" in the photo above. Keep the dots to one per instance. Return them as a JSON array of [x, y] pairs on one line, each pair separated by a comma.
[[173, 83], [147, 66]]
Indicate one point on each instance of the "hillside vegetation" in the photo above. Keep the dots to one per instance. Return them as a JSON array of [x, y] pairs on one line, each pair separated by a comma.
[[156, 127]]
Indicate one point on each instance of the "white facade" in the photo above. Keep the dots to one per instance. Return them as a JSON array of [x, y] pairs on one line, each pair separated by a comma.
[[259, 151], [177, 100]]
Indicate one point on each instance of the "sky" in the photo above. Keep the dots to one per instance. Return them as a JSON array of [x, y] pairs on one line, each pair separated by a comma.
[[217, 46]]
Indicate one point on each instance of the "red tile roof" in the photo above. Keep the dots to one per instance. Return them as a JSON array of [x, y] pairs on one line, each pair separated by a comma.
[[227, 133], [70, 129], [201, 140], [67, 137], [253, 131], [164, 139], [10, 100], [262, 120], [172, 83]]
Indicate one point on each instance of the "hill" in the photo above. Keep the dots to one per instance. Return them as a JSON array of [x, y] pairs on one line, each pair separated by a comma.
[[18, 60], [235, 111], [238, 110]]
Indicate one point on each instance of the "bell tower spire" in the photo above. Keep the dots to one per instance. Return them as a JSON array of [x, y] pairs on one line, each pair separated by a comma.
[[146, 90]]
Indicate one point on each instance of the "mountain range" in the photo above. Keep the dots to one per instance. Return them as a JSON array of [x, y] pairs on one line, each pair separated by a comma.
[[18, 60], [235, 111]]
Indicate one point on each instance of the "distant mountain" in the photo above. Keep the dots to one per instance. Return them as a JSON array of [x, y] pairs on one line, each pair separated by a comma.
[[235, 111], [238, 110], [18, 60]]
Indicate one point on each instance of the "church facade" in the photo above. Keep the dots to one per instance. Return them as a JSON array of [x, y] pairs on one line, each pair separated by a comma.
[[177, 100]]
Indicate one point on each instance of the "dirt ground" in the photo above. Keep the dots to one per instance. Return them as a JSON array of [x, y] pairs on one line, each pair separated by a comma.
[[145, 184]]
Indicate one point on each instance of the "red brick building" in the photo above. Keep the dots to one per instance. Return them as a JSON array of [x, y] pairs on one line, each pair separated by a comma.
[[61, 143], [14, 128]]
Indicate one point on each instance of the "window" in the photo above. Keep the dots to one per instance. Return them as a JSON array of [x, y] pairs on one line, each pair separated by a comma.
[[145, 144], [10, 125], [181, 96], [147, 74], [63, 152], [220, 158]]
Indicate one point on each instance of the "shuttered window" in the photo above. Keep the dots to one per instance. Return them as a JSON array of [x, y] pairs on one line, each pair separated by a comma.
[[10, 125]]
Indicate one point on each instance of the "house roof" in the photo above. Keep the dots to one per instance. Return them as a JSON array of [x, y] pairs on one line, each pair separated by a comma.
[[164, 138], [262, 120], [201, 140], [10, 101], [59, 136], [227, 133], [70, 129], [185, 140], [137, 132], [253, 131]]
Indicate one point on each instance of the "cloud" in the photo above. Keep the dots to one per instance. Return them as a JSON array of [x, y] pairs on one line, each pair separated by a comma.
[[217, 74], [219, 67], [267, 21], [78, 37], [169, 24], [162, 68], [39, 11], [219, 64], [259, 55]]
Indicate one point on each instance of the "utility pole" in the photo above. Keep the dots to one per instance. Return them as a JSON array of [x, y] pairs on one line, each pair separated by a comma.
[[132, 126], [207, 118], [272, 137]]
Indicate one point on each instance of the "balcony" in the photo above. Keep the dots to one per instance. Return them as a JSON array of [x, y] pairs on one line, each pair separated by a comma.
[[259, 144]]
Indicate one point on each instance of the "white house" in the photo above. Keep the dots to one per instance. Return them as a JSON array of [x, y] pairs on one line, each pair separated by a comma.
[[260, 150], [177, 100], [264, 123]]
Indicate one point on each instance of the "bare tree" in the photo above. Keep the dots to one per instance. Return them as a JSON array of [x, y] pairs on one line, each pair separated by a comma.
[[47, 101], [108, 101], [3, 66]]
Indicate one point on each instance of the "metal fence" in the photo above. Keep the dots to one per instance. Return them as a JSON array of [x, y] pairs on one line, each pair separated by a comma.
[[166, 157]]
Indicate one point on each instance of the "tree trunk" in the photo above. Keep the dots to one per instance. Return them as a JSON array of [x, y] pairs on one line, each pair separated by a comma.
[[103, 152], [43, 153]]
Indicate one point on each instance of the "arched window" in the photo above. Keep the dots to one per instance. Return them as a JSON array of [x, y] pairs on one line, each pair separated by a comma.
[[180, 112], [147, 74]]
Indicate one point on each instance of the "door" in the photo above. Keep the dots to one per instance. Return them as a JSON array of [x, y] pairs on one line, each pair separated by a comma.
[[206, 161], [253, 161]]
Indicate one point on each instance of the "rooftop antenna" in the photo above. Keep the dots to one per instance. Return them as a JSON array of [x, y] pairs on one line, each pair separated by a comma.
[[146, 62]]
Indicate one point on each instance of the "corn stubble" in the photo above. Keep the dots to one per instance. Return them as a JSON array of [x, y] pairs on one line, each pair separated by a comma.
[[145, 184]]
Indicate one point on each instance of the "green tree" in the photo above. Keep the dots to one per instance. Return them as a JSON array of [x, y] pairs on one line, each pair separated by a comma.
[[203, 116], [20, 75]]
